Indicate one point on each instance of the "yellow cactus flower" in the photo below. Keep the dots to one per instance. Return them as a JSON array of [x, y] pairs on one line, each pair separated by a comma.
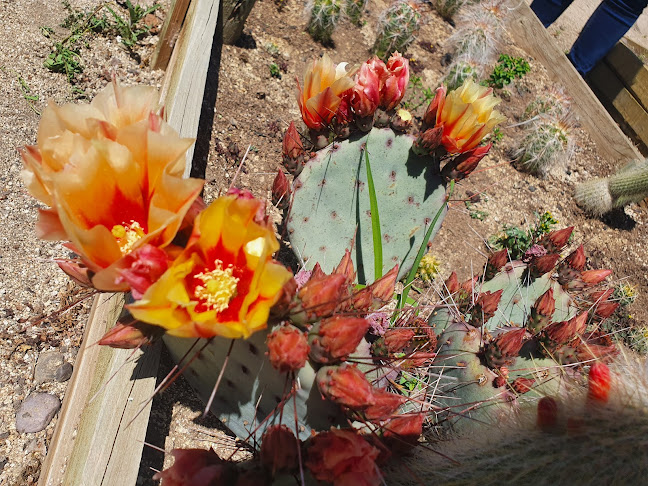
[[225, 282], [466, 115], [112, 173], [320, 98]]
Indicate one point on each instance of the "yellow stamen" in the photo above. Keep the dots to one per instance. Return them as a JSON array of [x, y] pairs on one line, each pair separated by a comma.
[[127, 235], [219, 288]]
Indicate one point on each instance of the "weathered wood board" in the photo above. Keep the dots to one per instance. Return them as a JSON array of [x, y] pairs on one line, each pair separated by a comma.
[[530, 35]]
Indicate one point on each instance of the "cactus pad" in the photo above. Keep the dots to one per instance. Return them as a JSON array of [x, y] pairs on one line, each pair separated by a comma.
[[331, 202]]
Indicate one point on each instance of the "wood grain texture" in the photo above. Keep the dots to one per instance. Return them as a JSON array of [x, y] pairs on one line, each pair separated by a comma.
[[169, 33], [184, 87], [530, 35], [92, 444], [631, 71]]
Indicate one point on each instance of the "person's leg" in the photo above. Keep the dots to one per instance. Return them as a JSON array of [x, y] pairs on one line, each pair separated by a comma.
[[549, 10], [609, 22]]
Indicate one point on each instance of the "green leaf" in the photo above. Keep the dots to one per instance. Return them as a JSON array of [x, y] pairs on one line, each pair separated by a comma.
[[375, 218]]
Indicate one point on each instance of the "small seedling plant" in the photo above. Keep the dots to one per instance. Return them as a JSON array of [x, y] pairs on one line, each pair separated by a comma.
[[517, 240], [508, 69]]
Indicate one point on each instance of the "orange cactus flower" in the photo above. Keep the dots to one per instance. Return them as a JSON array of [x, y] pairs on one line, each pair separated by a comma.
[[324, 83], [466, 114], [112, 173], [225, 281]]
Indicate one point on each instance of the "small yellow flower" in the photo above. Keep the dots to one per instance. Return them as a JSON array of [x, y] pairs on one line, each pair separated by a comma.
[[225, 282]]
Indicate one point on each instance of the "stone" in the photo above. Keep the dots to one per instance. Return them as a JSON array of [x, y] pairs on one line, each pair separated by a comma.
[[63, 372], [46, 366], [36, 412]]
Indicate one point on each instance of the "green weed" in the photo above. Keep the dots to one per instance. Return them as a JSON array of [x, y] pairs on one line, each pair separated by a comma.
[[507, 69], [517, 240], [131, 30]]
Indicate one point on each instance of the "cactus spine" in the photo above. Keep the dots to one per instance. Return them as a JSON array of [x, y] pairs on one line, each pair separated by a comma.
[[324, 17], [354, 9], [630, 184], [546, 144], [396, 29]]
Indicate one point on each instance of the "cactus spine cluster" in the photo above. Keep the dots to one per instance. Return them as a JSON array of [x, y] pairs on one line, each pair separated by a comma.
[[628, 185], [396, 29], [354, 9], [324, 17]]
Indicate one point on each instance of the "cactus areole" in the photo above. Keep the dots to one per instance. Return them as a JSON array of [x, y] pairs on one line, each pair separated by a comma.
[[331, 210]]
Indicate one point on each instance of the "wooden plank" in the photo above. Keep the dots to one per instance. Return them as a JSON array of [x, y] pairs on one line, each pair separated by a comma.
[[631, 71], [81, 450], [628, 108], [183, 92], [530, 35], [92, 444], [169, 33]]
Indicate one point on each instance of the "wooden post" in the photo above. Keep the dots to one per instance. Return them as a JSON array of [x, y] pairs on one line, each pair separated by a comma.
[[169, 34], [530, 35], [93, 445]]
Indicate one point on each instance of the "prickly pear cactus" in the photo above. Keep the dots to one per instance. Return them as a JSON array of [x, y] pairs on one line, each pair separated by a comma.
[[250, 388], [501, 339], [331, 209]]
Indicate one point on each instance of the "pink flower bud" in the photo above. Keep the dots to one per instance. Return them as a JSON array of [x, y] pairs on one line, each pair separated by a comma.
[[124, 336], [465, 163], [287, 348], [281, 190], [504, 348], [337, 337], [293, 150], [279, 449], [556, 240], [366, 92], [342, 457], [144, 267], [594, 277], [599, 383], [547, 414], [543, 264], [345, 385], [395, 83]]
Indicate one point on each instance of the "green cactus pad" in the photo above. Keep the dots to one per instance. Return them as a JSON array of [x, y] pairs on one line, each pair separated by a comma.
[[251, 389], [331, 203]]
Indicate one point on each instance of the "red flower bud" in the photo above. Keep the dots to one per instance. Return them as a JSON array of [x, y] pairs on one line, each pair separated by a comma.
[[543, 264], [431, 112], [197, 467], [386, 405], [131, 336], [281, 190], [418, 359], [366, 92], [144, 267], [465, 163], [495, 263], [556, 240], [279, 449], [504, 348], [594, 277], [564, 332], [485, 307], [541, 311], [287, 348], [522, 385], [403, 431], [398, 338], [337, 337], [576, 259], [293, 150], [319, 297], [429, 140], [375, 295], [469, 285], [344, 458], [452, 283], [345, 385], [599, 383], [547, 414], [76, 270], [345, 268]]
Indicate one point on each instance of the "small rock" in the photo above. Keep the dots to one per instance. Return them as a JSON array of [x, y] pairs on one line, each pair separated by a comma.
[[3, 462], [63, 372], [532, 188], [47, 365], [4, 435], [36, 412]]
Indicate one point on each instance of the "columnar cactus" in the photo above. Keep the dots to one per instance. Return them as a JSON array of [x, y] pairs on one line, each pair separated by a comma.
[[630, 184], [396, 29]]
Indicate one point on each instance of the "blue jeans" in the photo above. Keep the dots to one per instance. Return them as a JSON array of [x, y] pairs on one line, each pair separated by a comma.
[[609, 22]]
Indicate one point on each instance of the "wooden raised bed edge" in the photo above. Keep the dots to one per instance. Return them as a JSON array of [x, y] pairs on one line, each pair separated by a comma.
[[93, 443]]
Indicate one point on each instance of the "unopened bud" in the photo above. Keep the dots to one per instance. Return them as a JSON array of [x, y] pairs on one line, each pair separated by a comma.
[[495, 263], [547, 414], [452, 283], [337, 337], [293, 150], [279, 449], [465, 163], [430, 116], [556, 240], [485, 307], [598, 390], [428, 141], [403, 432], [386, 405], [287, 349], [543, 264], [565, 331], [504, 348], [541, 311], [281, 190], [345, 385], [398, 338]]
